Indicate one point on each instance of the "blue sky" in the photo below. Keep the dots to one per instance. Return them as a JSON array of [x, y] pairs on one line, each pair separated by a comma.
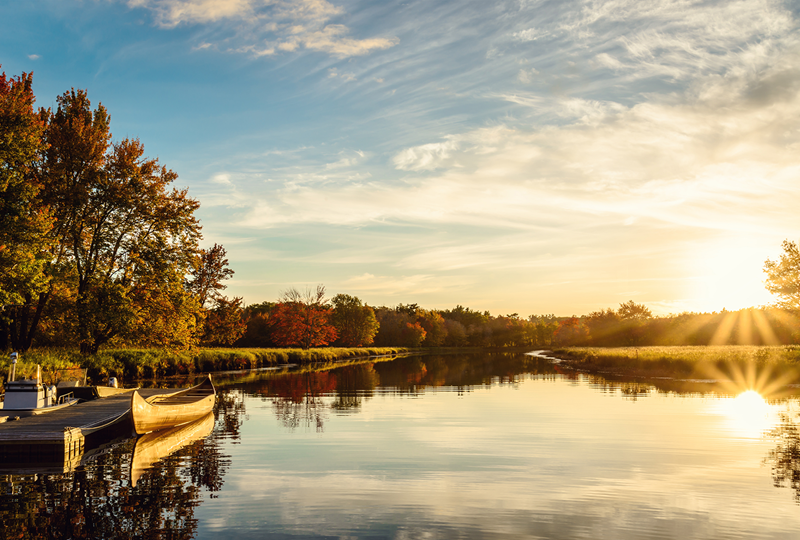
[[521, 156]]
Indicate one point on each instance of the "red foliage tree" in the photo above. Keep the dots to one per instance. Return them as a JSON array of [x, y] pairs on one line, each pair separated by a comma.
[[302, 320], [571, 332]]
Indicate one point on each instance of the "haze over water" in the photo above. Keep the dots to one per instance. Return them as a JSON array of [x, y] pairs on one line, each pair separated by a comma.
[[488, 446]]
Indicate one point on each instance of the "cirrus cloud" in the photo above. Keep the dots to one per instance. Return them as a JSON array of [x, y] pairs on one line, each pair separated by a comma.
[[268, 26]]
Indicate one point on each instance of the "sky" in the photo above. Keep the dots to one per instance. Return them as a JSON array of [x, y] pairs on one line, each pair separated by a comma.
[[527, 157]]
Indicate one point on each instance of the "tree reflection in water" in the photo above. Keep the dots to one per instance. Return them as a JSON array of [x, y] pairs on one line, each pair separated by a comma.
[[97, 500], [785, 457], [299, 399]]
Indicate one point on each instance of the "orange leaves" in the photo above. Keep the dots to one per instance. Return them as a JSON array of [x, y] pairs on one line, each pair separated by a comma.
[[304, 325]]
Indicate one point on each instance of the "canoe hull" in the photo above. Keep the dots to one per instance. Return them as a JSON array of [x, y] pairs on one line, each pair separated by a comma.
[[166, 411]]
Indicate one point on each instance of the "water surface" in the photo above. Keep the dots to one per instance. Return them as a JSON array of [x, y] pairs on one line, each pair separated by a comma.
[[485, 446]]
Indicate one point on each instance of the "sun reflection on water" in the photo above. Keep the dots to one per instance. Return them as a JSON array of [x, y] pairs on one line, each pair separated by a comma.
[[748, 414]]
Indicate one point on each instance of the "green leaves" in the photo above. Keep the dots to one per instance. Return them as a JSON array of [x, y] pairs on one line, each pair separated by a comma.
[[783, 276]]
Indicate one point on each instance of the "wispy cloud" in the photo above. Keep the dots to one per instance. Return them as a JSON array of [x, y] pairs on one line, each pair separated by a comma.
[[267, 27]]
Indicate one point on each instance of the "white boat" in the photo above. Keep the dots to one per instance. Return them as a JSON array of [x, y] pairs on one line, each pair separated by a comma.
[[29, 397]]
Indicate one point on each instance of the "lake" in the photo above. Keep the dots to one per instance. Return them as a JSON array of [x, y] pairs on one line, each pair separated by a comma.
[[493, 445]]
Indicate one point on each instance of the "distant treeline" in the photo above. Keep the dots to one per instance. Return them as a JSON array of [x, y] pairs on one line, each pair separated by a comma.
[[356, 324], [633, 325], [348, 322]]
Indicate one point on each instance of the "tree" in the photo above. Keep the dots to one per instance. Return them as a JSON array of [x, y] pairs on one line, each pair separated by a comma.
[[604, 326], [223, 318], [570, 332], [433, 324], [209, 270], [630, 310], [23, 224], [633, 318], [392, 325], [121, 238], [412, 335], [783, 276], [302, 319], [224, 323], [456, 333], [355, 323]]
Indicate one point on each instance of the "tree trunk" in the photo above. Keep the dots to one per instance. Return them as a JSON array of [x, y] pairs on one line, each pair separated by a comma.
[[4, 342]]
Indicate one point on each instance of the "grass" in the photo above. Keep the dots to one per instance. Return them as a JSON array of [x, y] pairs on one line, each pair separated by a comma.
[[714, 362], [155, 363]]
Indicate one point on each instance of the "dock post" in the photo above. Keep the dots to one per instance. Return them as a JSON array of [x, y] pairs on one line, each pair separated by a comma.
[[13, 366]]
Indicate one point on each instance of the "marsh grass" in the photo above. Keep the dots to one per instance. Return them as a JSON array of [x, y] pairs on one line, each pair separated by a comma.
[[128, 364], [759, 367]]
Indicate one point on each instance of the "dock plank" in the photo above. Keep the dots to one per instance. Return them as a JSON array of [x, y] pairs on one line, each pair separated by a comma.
[[60, 435]]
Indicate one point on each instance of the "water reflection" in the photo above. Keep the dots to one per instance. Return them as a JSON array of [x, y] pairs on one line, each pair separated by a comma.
[[145, 488], [502, 444], [785, 457], [158, 445]]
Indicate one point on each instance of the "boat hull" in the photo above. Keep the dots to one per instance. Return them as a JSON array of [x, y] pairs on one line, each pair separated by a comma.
[[170, 410], [37, 410]]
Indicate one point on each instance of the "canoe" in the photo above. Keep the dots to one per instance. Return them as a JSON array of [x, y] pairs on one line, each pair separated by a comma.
[[169, 410], [156, 446]]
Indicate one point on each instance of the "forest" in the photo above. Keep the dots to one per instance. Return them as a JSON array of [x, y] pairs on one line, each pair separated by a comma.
[[98, 248]]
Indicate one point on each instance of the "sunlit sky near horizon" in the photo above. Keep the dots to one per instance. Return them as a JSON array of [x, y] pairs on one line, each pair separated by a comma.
[[513, 156]]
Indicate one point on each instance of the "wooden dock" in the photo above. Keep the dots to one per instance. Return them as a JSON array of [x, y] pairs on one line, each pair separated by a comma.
[[63, 436]]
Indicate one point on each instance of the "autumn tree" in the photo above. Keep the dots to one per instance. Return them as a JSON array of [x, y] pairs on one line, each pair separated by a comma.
[[209, 270], [391, 327], [783, 276], [23, 224], [223, 318], [302, 319], [122, 241], [456, 333], [355, 322], [224, 323], [412, 335], [434, 326], [570, 332]]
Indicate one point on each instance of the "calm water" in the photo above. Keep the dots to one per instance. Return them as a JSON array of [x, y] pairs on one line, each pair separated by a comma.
[[490, 446]]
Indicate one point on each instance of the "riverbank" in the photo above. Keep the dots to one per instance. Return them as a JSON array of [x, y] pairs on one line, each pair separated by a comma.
[[128, 364], [743, 363]]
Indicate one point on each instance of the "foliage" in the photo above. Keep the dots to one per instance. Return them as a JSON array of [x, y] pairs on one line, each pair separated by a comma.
[[570, 332], [121, 240], [209, 269], [23, 224], [434, 326], [130, 364], [224, 323], [783, 276], [302, 319], [413, 334], [354, 322], [461, 327]]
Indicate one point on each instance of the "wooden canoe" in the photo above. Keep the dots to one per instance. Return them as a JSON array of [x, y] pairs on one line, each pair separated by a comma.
[[169, 410], [156, 446]]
